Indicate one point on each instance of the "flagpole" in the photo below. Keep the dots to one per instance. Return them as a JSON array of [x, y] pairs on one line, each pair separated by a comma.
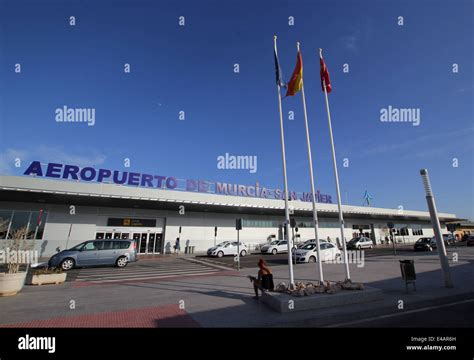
[[315, 213], [287, 213], [338, 192]]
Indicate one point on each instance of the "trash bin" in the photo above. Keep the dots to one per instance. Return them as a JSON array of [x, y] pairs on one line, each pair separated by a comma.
[[407, 268], [191, 248]]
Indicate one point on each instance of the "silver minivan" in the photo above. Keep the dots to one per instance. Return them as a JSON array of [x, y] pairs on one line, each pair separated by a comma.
[[96, 252]]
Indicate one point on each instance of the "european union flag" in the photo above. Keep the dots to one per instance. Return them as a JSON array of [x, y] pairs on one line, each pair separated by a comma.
[[279, 80]]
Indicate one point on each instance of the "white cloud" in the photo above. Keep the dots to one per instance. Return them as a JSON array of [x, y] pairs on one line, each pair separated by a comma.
[[350, 42], [424, 145], [47, 154], [8, 158]]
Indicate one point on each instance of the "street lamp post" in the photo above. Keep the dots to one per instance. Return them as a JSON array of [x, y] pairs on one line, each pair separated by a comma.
[[443, 257]]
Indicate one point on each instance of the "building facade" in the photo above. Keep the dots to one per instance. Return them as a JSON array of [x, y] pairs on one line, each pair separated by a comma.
[[63, 213]]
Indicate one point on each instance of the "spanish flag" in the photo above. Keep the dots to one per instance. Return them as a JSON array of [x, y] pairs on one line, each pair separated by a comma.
[[296, 81]]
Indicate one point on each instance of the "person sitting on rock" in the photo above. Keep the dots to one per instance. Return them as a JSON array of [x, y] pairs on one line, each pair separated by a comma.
[[264, 280]]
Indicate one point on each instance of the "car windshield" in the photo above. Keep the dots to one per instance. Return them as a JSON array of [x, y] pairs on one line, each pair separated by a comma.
[[354, 240], [423, 240], [221, 244], [274, 242], [309, 247], [77, 247]]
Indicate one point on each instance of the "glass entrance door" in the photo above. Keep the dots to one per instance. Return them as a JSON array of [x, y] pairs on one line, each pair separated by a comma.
[[151, 244], [143, 241], [148, 243], [158, 243]]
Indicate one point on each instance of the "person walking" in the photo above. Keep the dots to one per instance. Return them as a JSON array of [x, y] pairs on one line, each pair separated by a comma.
[[177, 247], [264, 279]]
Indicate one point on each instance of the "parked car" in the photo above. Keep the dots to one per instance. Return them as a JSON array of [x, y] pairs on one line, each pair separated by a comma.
[[310, 241], [423, 244], [360, 242], [275, 247], [309, 253], [227, 248], [96, 252], [447, 238], [470, 240]]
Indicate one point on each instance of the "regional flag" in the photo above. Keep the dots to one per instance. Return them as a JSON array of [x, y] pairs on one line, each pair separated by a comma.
[[324, 75], [296, 81], [279, 79]]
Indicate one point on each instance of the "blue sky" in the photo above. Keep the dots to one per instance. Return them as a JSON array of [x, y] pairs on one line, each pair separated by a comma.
[[190, 69]]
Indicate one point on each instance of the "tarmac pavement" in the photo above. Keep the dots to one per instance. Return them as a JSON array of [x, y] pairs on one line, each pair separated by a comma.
[[225, 298]]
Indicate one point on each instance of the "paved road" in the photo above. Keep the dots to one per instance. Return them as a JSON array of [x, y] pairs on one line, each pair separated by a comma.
[[459, 313], [251, 260], [140, 271], [224, 298]]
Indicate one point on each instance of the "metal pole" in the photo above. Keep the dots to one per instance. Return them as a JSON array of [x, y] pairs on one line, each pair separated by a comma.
[[338, 192], [68, 235], [293, 247], [393, 242], [287, 213], [311, 177], [38, 223], [238, 250], [443, 258]]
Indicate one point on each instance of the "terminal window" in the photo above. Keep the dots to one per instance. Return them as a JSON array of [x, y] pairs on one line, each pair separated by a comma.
[[32, 221]]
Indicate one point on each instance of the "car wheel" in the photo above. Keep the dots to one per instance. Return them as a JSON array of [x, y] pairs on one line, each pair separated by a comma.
[[121, 262], [359, 247], [243, 253], [220, 254], [274, 251], [371, 246], [312, 259], [68, 264]]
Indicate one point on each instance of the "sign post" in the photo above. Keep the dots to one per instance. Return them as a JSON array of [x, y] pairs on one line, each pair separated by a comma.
[[238, 227]]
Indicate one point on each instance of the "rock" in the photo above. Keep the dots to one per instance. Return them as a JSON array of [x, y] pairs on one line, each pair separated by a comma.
[[281, 287], [298, 293], [309, 290], [349, 285], [299, 285], [319, 289]]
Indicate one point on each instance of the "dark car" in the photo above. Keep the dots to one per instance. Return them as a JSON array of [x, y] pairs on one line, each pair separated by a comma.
[[423, 244], [470, 240]]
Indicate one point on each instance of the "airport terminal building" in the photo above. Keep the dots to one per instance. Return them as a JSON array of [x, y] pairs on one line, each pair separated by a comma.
[[61, 210]]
